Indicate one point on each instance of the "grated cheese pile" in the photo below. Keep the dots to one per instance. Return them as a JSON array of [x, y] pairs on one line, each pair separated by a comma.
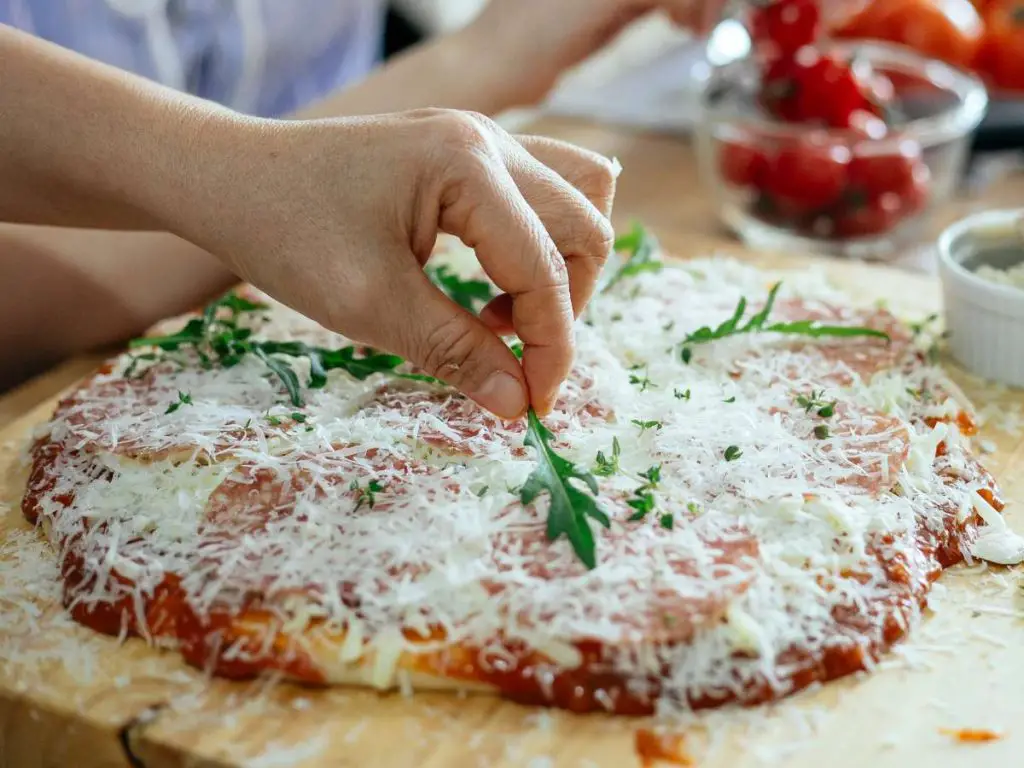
[[1012, 276], [772, 560]]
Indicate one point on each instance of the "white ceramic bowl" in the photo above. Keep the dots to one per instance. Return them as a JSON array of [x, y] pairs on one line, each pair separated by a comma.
[[985, 320]]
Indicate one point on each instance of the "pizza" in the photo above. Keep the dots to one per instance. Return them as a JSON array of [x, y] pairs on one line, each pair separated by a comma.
[[748, 485]]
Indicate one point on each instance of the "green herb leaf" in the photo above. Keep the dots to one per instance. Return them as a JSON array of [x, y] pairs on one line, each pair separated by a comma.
[[643, 503], [686, 354], [814, 330], [517, 349], [606, 467], [216, 338], [644, 382], [285, 373], [730, 399], [298, 417], [468, 294], [652, 475], [368, 495], [732, 453], [757, 323], [646, 425], [641, 247], [681, 395], [821, 431], [570, 506], [183, 399], [666, 521]]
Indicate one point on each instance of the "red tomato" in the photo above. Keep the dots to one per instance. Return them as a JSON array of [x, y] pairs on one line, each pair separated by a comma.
[[812, 87], [950, 30], [742, 164], [875, 217], [1002, 54], [786, 26], [780, 89], [808, 175], [875, 175]]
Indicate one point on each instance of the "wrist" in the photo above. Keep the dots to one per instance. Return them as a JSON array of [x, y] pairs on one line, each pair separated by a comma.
[[500, 75]]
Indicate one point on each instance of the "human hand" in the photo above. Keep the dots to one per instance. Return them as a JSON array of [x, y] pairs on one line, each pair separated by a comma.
[[337, 218], [532, 42]]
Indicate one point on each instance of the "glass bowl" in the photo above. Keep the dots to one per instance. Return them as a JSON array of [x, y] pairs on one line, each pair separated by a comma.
[[746, 156]]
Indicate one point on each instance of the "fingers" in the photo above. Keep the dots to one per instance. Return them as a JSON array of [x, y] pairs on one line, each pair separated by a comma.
[[571, 189], [450, 343], [484, 207]]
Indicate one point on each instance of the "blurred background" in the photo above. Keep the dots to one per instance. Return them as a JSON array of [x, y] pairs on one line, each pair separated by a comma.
[[634, 81]]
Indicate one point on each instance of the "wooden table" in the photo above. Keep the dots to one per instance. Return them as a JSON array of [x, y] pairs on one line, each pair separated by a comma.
[[51, 719]]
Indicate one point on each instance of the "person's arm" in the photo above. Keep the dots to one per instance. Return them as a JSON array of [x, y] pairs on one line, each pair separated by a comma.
[[84, 144], [334, 218], [72, 291], [510, 56]]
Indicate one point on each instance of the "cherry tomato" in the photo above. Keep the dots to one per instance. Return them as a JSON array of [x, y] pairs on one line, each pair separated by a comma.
[[950, 30], [1002, 54], [874, 217], [811, 87], [786, 26], [808, 174], [780, 89], [842, 94], [875, 175], [742, 164]]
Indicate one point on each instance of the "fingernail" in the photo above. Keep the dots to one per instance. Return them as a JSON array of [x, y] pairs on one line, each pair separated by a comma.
[[503, 394]]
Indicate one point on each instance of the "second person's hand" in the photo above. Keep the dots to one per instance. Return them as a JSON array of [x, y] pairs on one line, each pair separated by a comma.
[[340, 216]]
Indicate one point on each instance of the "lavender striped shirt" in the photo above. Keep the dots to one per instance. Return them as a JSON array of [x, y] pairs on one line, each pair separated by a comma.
[[262, 57]]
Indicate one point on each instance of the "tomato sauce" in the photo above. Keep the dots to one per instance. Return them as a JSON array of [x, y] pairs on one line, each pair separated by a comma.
[[971, 735], [654, 748]]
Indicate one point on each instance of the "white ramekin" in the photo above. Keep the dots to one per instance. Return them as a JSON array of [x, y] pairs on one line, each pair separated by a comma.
[[985, 320]]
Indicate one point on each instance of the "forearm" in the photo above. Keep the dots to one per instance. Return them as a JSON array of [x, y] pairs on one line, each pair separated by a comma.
[[447, 72], [70, 291], [84, 144]]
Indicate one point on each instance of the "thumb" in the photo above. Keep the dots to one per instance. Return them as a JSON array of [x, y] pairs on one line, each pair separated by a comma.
[[446, 341]]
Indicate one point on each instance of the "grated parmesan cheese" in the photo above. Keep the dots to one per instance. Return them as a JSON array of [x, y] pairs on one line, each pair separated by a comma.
[[235, 497]]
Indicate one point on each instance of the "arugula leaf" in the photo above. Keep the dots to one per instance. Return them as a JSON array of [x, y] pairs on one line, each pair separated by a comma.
[[570, 506], [813, 329], [285, 373], [757, 323], [641, 247], [465, 293], [216, 339]]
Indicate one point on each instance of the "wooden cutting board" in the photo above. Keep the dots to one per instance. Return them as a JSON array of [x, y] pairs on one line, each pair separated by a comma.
[[69, 697]]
